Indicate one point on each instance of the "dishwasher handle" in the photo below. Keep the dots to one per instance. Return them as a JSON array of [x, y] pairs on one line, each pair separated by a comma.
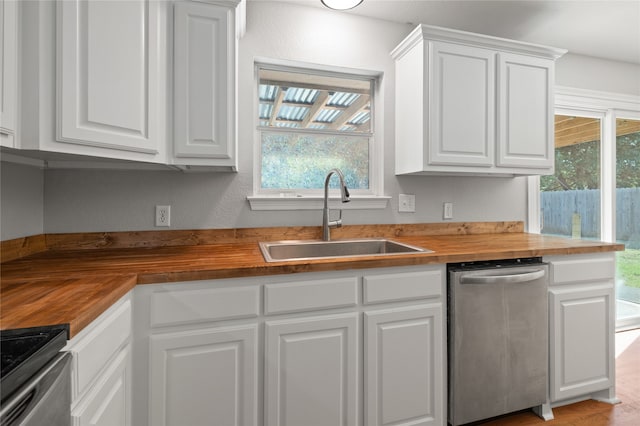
[[524, 277]]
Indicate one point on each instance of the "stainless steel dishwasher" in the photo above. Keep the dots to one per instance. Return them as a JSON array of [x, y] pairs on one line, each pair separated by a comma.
[[497, 338]]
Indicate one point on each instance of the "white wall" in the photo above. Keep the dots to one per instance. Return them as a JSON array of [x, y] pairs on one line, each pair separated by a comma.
[[21, 201], [587, 72], [84, 201], [81, 201]]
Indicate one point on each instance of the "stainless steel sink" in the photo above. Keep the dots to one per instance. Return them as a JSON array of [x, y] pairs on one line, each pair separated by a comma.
[[276, 251]]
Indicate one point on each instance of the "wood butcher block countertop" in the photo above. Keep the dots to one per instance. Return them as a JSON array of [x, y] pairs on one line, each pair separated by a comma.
[[78, 276]]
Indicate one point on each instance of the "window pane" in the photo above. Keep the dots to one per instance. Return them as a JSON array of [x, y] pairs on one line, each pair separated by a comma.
[[304, 100], [570, 199], [302, 161], [628, 220]]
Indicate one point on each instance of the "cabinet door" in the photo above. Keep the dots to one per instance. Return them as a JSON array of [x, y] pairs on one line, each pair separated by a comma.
[[204, 84], [462, 105], [581, 341], [525, 112], [8, 72], [311, 371], [204, 377], [107, 404], [404, 366], [108, 74]]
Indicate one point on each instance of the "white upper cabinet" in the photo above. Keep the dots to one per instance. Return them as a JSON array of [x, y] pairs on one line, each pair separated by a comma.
[[94, 78], [8, 71], [525, 113], [204, 84], [151, 82], [109, 68], [462, 105], [468, 103]]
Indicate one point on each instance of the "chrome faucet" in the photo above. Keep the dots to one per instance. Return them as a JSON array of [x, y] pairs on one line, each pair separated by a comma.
[[326, 223]]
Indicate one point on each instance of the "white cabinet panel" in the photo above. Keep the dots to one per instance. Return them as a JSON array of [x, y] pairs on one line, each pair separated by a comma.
[[8, 71], [187, 305], [312, 371], [108, 404], [462, 113], [379, 288], [525, 112], [581, 340], [94, 350], [101, 372], [108, 74], [404, 366], [204, 377], [570, 270], [310, 295], [204, 84]]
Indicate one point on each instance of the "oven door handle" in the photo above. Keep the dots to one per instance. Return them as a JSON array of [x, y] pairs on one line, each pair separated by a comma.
[[524, 277]]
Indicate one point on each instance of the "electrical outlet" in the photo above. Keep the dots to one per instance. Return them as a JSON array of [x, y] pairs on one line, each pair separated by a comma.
[[163, 215], [407, 203], [447, 211]]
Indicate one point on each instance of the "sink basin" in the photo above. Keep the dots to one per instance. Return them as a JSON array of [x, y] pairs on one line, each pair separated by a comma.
[[297, 250]]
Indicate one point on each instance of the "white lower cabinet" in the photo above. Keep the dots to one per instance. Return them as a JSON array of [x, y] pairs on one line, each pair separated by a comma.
[[582, 326], [109, 402], [203, 377], [336, 348], [311, 370], [404, 374], [101, 369]]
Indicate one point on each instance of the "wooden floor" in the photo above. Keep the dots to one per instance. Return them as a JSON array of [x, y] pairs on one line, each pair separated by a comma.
[[593, 413]]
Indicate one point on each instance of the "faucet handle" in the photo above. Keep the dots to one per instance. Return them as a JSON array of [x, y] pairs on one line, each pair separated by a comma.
[[339, 221]]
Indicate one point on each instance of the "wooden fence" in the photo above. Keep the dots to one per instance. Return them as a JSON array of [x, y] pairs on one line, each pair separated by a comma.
[[559, 207]]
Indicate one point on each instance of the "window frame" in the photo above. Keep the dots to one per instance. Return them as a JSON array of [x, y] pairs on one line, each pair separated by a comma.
[[305, 199], [608, 107]]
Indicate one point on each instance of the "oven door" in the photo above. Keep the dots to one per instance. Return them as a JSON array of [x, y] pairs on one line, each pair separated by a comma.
[[44, 399]]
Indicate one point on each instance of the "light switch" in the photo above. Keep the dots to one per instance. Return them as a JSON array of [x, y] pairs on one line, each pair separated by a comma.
[[447, 211]]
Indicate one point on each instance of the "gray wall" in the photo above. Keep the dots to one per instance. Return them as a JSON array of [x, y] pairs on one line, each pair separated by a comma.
[[21, 201], [98, 200], [587, 72], [78, 201]]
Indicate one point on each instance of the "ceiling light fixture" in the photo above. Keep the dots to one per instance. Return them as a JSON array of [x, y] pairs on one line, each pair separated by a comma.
[[341, 4]]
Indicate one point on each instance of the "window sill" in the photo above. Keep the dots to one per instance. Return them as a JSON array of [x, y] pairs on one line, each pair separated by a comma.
[[317, 203]]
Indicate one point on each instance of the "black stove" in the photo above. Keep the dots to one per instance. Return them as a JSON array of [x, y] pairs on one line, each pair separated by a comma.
[[24, 351]]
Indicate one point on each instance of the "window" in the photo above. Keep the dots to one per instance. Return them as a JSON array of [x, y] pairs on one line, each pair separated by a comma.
[[570, 198], [309, 122], [627, 219], [594, 192]]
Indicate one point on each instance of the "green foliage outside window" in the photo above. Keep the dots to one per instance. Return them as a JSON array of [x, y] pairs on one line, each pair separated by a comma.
[[628, 161], [578, 166], [302, 161]]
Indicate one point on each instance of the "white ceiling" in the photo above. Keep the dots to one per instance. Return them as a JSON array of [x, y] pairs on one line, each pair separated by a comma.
[[607, 29]]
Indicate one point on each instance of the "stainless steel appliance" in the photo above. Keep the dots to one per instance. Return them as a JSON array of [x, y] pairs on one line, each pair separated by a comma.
[[497, 338], [35, 387]]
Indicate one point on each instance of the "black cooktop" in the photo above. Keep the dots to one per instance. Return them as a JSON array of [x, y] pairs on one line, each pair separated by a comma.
[[24, 351]]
